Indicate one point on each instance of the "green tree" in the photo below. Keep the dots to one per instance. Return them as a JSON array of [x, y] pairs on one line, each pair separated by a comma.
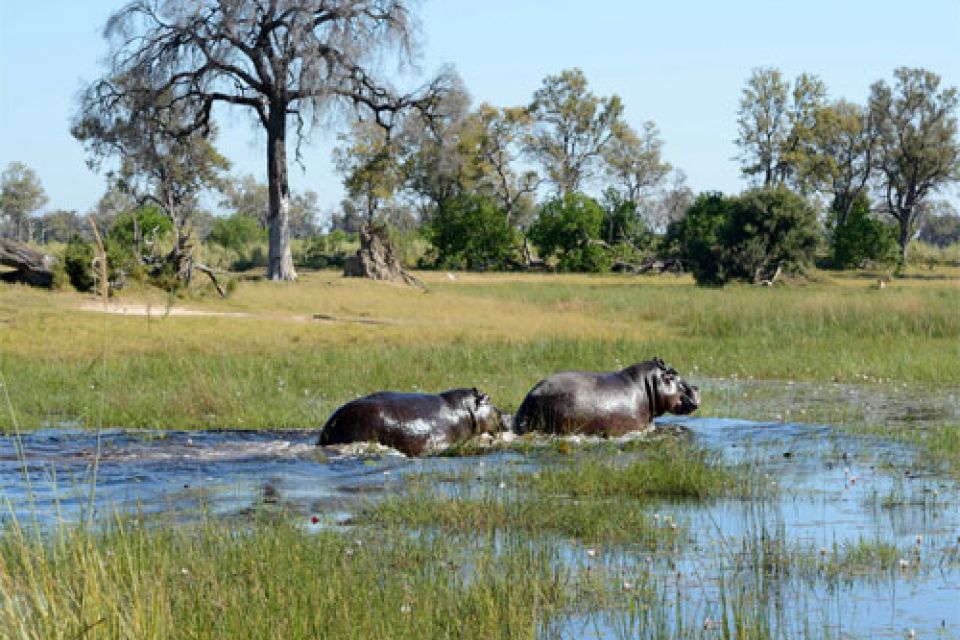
[[504, 130], [776, 122], [21, 194], [918, 151], [471, 232], [569, 227], [634, 160], [861, 239], [59, 226], [840, 157], [748, 237], [131, 228], [768, 228], [248, 197], [695, 238], [371, 165], [235, 232], [572, 128]]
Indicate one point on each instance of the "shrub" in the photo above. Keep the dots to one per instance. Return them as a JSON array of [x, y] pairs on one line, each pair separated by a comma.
[[569, 228], [862, 240], [471, 232], [148, 218], [77, 262], [695, 238], [746, 237], [236, 232]]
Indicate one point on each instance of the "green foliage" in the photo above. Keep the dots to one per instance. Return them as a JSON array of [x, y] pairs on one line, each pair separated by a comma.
[[569, 228], [142, 221], [746, 237], [622, 222], [236, 232], [769, 227], [572, 128], [471, 232], [696, 236], [20, 195], [861, 239], [77, 262], [918, 150]]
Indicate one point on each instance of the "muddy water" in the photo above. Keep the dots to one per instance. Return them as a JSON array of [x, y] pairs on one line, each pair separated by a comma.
[[831, 489]]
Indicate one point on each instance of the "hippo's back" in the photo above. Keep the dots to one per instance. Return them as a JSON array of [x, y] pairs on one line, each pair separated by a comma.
[[581, 401], [409, 422]]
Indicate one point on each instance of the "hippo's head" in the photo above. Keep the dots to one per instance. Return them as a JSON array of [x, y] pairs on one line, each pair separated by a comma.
[[672, 393], [488, 418]]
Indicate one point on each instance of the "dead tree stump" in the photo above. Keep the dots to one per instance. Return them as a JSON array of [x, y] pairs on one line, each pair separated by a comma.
[[30, 267], [377, 259]]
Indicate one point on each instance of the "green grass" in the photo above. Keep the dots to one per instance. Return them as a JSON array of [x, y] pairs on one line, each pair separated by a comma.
[[274, 365], [593, 497], [269, 579]]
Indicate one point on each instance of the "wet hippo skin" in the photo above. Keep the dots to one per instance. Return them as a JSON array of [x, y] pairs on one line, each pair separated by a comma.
[[612, 403], [413, 423]]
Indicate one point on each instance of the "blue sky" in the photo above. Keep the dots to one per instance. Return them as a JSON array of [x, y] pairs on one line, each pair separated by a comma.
[[681, 64]]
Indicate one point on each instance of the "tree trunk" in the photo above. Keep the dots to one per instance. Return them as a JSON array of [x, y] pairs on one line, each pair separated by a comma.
[[280, 258], [904, 220]]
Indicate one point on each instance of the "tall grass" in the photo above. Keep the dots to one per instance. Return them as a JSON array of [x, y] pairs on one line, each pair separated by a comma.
[[270, 579]]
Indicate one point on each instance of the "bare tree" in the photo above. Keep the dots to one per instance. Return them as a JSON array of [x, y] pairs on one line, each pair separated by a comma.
[[289, 61], [918, 150]]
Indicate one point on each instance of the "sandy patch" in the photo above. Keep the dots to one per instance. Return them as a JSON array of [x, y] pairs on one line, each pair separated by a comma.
[[126, 309]]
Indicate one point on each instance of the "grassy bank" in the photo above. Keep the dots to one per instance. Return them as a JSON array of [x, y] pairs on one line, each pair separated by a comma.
[[268, 579], [286, 355]]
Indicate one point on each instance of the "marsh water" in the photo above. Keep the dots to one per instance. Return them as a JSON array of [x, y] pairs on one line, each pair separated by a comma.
[[833, 489]]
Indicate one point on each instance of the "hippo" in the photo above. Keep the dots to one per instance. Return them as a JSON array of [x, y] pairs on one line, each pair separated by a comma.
[[413, 423], [609, 404]]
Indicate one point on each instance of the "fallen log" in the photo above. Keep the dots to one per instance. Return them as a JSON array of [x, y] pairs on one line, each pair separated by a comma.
[[30, 267]]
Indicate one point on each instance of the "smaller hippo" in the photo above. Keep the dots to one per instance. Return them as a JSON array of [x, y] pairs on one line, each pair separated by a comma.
[[605, 403], [413, 423]]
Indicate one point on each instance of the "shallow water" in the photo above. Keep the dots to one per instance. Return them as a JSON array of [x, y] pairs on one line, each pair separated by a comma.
[[831, 489]]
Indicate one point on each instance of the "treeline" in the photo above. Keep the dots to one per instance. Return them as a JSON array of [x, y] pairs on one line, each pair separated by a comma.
[[563, 182]]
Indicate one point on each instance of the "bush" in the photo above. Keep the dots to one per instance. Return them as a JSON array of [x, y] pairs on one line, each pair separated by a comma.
[[769, 227], [236, 232], [569, 228], [863, 240], [471, 232], [695, 238], [746, 237], [77, 262], [148, 218]]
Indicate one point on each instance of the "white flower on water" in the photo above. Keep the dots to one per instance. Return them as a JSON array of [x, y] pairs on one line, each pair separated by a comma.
[[591, 553]]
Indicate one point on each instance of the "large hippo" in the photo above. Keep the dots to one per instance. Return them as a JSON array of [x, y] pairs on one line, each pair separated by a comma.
[[605, 403], [413, 423]]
